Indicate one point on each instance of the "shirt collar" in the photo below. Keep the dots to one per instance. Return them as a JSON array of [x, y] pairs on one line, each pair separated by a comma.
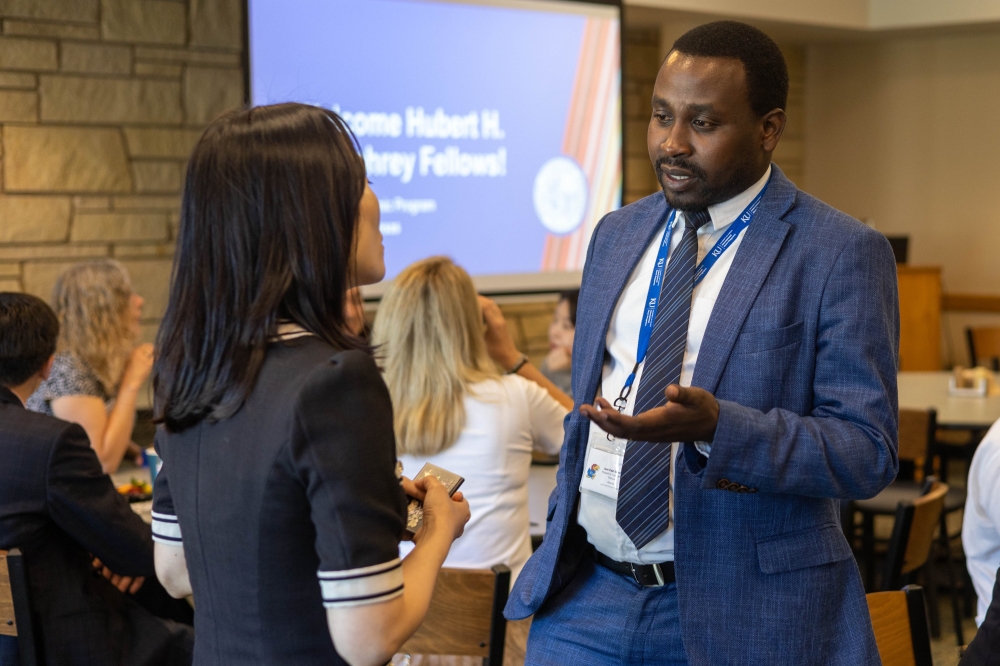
[[725, 213], [288, 330], [9, 397]]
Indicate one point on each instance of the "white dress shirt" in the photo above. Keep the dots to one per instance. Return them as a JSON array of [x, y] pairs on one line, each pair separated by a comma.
[[597, 513], [981, 524], [505, 419]]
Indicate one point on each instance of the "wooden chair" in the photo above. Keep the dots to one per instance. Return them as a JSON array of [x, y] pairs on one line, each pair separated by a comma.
[[466, 616], [916, 432], [913, 535], [984, 347], [899, 620], [917, 429], [15, 613]]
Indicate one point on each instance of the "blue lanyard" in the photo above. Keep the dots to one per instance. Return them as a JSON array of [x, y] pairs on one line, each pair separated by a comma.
[[653, 295]]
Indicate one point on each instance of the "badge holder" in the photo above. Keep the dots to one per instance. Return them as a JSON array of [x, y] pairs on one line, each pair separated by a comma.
[[605, 455]]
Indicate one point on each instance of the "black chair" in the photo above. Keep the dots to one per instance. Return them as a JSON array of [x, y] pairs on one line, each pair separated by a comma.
[[466, 616], [899, 619], [15, 612]]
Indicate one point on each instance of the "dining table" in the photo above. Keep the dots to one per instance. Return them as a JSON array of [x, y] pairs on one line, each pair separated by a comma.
[[126, 473], [961, 419], [925, 390]]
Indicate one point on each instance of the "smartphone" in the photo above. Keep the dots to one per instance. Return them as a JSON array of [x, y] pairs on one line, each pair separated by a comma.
[[415, 508]]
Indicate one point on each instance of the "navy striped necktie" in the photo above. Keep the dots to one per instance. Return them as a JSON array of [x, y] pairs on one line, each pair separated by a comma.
[[643, 509]]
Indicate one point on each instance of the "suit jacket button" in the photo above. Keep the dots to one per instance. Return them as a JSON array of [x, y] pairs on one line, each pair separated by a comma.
[[751, 490], [742, 489], [733, 486], [723, 484]]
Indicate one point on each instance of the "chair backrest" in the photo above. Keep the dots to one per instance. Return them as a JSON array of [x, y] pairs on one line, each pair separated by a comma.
[[15, 613], [899, 619], [916, 432], [913, 533], [984, 345], [466, 615]]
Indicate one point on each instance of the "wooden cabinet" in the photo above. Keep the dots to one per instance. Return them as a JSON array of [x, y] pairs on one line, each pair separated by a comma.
[[919, 317]]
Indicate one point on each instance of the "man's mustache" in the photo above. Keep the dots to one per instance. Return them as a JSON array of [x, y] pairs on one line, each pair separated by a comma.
[[679, 163]]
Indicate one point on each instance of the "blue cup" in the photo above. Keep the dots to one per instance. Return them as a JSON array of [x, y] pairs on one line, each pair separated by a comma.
[[154, 462]]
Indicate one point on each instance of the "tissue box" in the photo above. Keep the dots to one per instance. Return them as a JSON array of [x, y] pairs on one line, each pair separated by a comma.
[[978, 389]]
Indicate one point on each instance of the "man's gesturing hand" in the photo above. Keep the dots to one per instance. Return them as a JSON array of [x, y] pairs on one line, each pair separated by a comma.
[[690, 415]]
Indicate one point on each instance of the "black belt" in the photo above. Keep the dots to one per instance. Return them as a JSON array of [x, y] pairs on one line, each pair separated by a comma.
[[647, 575]]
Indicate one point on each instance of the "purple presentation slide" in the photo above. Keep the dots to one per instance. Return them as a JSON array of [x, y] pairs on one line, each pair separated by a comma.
[[490, 132]]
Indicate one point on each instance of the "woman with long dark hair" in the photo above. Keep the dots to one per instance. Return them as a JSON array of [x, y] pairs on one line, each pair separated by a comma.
[[278, 494]]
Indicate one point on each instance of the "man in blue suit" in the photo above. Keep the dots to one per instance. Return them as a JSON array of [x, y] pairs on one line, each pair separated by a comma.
[[735, 371]]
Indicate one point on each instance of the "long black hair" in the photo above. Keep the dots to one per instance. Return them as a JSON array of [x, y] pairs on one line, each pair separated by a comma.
[[267, 234]]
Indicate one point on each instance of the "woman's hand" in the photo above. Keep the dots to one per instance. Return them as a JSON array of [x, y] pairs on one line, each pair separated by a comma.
[[411, 489], [442, 514], [372, 633], [499, 343], [140, 364]]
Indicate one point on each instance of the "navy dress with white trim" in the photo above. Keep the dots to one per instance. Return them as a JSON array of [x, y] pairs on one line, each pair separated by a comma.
[[287, 507]]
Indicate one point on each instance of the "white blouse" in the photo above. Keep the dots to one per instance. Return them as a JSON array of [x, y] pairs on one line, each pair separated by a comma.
[[981, 523], [506, 419]]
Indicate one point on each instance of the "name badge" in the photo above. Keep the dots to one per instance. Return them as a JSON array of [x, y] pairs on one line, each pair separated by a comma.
[[603, 469]]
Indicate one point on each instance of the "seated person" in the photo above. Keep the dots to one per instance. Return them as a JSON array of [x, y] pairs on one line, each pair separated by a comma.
[[558, 364], [59, 507], [984, 650], [453, 408], [99, 369], [981, 523]]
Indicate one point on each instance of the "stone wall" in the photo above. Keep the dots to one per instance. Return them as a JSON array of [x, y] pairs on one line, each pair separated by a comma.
[[100, 104], [641, 62]]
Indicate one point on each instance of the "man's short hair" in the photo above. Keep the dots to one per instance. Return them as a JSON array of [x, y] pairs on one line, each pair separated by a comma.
[[763, 62], [28, 333]]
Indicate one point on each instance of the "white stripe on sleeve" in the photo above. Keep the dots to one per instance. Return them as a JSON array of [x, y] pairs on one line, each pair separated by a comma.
[[166, 529], [364, 585]]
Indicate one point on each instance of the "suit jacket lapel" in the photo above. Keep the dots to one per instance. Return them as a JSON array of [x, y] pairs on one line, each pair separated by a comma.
[[751, 265], [628, 243]]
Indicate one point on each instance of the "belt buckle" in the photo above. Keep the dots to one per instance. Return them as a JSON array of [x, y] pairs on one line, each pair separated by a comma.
[[656, 571]]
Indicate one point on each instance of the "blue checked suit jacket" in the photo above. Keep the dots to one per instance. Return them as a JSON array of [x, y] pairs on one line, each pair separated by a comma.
[[800, 352]]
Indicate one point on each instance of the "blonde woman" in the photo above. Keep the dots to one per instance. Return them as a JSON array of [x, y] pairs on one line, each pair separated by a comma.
[[99, 369], [453, 407]]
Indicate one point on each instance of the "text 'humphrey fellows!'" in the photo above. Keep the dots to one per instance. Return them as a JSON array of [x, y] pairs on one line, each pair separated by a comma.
[[428, 160]]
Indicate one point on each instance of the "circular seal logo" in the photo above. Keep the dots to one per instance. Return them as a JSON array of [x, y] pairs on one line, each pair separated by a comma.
[[560, 195]]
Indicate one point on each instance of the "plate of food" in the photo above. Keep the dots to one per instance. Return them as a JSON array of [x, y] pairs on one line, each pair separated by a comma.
[[136, 490]]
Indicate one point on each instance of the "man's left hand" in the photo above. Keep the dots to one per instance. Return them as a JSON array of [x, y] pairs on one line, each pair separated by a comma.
[[690, 415]]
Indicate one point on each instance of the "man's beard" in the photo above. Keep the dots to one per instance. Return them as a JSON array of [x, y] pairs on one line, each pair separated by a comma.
[[702, 197]]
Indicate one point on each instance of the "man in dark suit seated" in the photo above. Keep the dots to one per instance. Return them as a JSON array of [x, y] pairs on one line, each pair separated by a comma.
[[984, 650], [62, 511]]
